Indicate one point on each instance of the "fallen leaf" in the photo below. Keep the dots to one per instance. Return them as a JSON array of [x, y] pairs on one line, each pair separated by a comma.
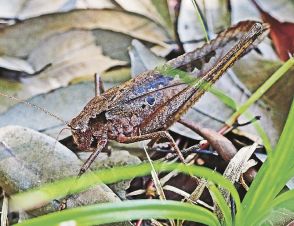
[[142, 59], [19, 39], [65, 102], [221, 144], [217, 14], [189, 27], [76, 44], [244, 9], [116, 74], [238, 165], [275, 103], [143, 7], [163, 9], [24, 9], [16, 64], [75, 55]]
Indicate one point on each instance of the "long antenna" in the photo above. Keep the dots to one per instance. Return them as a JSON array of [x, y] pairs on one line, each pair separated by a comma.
[[34, 106]]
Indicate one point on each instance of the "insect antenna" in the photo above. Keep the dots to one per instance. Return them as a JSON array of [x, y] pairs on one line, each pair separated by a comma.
[[34, 106], [57, 137]]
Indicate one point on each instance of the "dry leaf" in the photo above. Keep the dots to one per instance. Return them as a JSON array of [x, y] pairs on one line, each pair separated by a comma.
[[143, 7], [282, 34], [236, 167], [27, 35], [24, 9], [142, 59]]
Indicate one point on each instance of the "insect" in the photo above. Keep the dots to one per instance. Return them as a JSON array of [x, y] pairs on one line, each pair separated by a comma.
[[146, 106]]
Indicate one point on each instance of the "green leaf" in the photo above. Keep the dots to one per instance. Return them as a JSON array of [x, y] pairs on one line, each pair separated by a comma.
[[272, 176], [128, 210], [285, 201], [62, 188], [261, 132], [228, 101], [262, 89], [221, 202]]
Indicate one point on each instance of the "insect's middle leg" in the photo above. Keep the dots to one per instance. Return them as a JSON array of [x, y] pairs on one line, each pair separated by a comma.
[[154, 136]]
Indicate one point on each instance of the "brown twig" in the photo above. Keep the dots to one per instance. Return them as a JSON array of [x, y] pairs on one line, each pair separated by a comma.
[[221, 144], [177, 10]]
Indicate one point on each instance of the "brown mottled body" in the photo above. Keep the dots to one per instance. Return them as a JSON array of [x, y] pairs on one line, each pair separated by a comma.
[[146, 106]]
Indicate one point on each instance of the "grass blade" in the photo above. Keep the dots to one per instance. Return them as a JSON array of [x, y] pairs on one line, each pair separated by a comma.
[[201, 19], [228, 101], [283, 203], [221, 202], [128, 210], [285, 200], [273, 174], [58, 189], [262, 89]]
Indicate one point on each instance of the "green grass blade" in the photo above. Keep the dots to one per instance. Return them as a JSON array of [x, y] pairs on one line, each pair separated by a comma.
[[285, 200], [201, 19], [228, 101], [262, 134], [273, 174], [128, 210], [222, 204], [59, 189], [262, 89]]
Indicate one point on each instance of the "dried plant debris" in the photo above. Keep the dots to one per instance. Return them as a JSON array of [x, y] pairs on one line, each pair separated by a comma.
[[75, 45], [238, 165]]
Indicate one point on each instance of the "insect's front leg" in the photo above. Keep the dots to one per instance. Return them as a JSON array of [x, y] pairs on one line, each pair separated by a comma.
[[101, 144], [153, 136]]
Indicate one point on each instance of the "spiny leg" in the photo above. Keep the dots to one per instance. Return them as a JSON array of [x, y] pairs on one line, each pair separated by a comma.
[[154, 136], [99, 87], [101, 144]]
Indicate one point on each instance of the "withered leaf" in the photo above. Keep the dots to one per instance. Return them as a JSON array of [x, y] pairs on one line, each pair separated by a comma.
[[281, 33], [29, 33]]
